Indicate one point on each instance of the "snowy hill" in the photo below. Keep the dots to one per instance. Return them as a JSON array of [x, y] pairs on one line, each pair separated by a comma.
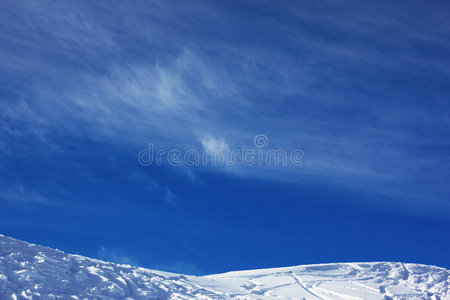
[[29, 271]]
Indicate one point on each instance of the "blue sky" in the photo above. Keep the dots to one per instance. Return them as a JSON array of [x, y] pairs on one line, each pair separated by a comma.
[[361, 87]]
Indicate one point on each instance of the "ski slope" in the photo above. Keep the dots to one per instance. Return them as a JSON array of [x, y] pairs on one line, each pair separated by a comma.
[[30, 271]]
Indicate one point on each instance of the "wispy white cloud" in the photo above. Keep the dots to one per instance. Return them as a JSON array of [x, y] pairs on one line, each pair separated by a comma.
[[210, 143], [169, 197], [22, 195], [330, 95]]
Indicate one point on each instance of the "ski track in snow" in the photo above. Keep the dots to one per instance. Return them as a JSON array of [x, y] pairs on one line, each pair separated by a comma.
[[302, 286], [30, 271]]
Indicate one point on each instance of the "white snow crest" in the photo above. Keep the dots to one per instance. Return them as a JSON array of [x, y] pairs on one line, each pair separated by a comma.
[[34, 272]]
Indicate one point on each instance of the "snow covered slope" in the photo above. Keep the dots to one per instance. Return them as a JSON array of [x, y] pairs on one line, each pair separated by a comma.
[[34, 272]]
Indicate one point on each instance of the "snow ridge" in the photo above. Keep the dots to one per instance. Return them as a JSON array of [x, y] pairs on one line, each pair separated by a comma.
[[30, 271]]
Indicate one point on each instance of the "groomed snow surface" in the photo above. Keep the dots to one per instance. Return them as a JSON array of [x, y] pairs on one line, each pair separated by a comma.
[[29, 271]]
